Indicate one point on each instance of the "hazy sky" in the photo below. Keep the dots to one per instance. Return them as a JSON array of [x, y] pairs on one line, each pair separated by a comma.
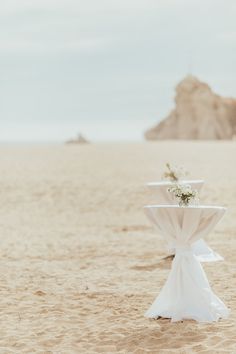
[[107, 68]]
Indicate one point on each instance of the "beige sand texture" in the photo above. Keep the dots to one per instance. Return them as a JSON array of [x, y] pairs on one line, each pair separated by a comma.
[[80, 263]]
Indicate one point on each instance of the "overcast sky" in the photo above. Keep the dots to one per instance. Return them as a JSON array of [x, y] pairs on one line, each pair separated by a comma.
[[107, 68]]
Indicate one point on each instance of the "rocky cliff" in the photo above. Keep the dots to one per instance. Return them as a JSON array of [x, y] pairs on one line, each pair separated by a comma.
[[199, 113], [80, 139]]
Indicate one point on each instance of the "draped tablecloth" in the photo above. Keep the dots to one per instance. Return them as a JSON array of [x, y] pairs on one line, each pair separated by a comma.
[[159, 194], [186, 293], [159, 190]]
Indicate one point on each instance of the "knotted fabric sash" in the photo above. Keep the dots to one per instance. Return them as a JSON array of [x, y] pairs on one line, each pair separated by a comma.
[[184, 249]]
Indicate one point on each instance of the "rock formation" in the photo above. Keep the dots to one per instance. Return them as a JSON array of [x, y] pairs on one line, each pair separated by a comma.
[[78, 140], [199, 114]]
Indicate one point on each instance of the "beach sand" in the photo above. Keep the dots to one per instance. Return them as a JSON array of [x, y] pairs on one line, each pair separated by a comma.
[[80, 262]]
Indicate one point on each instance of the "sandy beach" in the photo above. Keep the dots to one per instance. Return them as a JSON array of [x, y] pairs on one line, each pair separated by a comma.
[[80, 262]]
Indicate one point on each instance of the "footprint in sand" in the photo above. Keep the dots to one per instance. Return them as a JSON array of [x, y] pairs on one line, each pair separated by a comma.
[[164, 263], [132, 228]]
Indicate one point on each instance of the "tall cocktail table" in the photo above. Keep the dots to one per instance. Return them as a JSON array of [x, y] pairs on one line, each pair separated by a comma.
[[186, 293], [159, 195]]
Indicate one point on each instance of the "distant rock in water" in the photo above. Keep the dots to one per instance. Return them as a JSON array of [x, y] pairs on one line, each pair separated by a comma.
[[199, 114], [80, 139]]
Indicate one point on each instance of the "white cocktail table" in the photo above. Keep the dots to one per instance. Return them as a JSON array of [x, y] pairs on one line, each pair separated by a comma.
[[186, 293], [161, 196]]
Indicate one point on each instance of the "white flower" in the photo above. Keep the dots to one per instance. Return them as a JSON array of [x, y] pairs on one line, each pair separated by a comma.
[[174, 173], [184, 194]]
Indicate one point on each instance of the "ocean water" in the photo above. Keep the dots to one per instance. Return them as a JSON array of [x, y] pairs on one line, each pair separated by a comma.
[[96, 131]]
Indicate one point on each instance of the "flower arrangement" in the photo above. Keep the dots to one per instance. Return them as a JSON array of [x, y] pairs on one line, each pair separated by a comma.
[[184, 194], [174, 173]]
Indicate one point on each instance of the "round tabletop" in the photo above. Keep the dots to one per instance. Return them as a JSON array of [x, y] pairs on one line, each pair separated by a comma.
[[170, 183], [175, 206]]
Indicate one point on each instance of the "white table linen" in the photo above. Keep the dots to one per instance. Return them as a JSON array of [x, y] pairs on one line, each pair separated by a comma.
[[186, 293], [159, 194], [159, 190]]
